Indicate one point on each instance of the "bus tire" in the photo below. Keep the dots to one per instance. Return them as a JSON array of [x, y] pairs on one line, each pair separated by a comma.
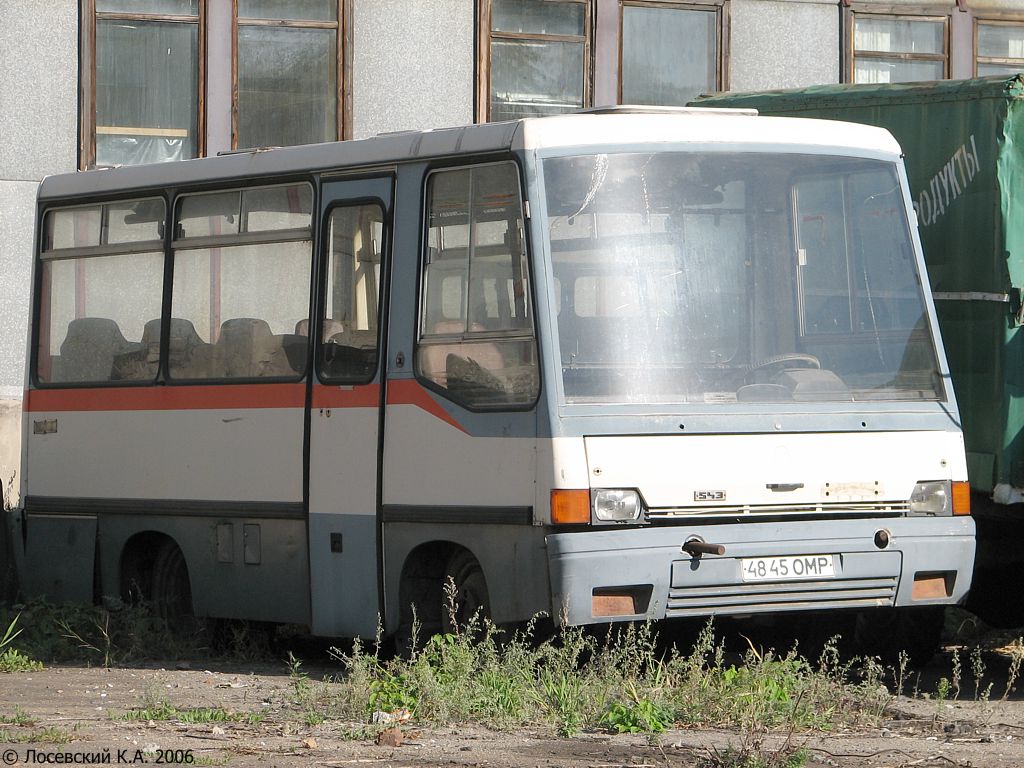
[[171, 591], [465, 578]]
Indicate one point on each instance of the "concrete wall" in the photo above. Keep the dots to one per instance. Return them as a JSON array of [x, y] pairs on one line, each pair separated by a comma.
[[38, 136], [783, 44], [412, 65]]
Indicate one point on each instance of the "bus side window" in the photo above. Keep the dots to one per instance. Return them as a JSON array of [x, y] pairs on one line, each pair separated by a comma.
[[476, 340], [102, 281], [242, 271], [348, 343]]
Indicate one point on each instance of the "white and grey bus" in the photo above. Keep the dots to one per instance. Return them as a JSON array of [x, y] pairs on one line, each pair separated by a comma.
[[610, 365]]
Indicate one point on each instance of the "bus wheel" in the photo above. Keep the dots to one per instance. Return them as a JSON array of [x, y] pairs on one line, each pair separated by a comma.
[[171, 593], [886, 633], [465, 593]]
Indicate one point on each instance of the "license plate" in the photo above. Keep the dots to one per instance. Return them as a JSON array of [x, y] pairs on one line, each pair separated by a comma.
[[791, 567]]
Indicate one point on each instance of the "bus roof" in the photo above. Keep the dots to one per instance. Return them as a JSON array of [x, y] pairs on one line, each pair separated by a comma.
[[582, 129]]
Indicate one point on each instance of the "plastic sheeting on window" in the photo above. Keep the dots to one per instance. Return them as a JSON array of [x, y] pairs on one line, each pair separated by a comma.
[[136, 150]]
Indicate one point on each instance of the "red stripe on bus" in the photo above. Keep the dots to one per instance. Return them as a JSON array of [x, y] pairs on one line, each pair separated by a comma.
[[230, 396], [201, 397], [366, 396], [411, 392]]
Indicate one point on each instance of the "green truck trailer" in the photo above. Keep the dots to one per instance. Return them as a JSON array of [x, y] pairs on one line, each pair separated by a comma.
[[963, 143]]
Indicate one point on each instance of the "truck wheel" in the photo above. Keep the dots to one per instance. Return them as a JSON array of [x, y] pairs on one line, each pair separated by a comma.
[[471, 600], [888, 631], [171, 594]]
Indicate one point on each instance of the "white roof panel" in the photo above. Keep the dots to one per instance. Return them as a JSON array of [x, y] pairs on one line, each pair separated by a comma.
[[712, 127]]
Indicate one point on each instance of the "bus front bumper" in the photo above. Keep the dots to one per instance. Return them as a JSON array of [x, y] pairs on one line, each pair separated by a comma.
[[617, 574]]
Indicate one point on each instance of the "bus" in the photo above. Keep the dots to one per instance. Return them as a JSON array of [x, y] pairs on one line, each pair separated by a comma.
[[609, 366]]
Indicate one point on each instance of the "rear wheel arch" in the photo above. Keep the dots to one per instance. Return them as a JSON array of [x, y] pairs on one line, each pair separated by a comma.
[[153, 568]]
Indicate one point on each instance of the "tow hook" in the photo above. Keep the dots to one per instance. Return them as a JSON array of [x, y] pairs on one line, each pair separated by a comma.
[[695, 547]]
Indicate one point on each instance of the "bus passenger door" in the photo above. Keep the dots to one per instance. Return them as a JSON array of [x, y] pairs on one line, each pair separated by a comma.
[[458, 483], [345, 407]]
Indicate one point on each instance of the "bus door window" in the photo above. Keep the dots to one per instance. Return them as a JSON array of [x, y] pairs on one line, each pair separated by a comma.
[[348, 342], [102, 282], [476, 338], [242, 271]]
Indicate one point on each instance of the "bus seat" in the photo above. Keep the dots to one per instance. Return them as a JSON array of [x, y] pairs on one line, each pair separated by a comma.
[[89, 348], [331, 327], [355, 337], [239, 346], [433, 358], [281, 355], [182, 343]]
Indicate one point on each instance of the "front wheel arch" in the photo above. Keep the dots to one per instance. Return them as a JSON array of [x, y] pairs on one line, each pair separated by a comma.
[[467, 600]]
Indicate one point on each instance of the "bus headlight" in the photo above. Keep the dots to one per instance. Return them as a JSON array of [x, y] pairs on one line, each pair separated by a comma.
[[932, 499], [616, 506]]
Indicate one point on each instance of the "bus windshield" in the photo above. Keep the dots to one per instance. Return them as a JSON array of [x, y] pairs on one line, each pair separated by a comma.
[[726, 277]]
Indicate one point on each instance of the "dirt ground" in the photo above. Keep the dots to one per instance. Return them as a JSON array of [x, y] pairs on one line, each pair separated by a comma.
[[80, 704]]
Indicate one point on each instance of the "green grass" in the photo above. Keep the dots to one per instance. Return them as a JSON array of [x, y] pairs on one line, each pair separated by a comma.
[[11, 659], [18, 718], [41, 736], [221, 759], [163, 711], [91, 634], [623, 682]]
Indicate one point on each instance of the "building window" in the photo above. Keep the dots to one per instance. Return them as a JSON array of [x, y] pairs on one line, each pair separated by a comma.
[[141, 94], [274, 71], [898, 49], [536, 60], [669, 52], [287, 67], [1000, 47], [545, 57]]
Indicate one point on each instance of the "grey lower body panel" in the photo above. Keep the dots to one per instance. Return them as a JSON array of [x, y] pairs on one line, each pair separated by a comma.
[[512, 558], [253, 568], [60, 555], [650, 562], [343, 574]]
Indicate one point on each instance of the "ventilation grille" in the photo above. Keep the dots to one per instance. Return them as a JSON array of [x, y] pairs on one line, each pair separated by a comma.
[[777, 510], [791, 595]]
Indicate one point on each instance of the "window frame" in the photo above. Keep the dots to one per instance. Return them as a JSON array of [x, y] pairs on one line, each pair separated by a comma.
[[87, 77], [262, 237], [476, 336], [994, 20], [42, 254], [483, 44], [895, 13], [343, 54], [721, 10], [321, 285], [603, 47], [216, 122]]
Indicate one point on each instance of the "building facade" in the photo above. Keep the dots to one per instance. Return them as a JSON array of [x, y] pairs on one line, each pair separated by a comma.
[[90, 83]]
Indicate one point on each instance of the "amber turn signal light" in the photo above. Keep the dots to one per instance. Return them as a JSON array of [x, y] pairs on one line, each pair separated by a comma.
[[570, 507], [961, 497]]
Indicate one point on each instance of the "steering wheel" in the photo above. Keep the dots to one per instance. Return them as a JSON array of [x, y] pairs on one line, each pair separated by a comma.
[[788, 360]]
